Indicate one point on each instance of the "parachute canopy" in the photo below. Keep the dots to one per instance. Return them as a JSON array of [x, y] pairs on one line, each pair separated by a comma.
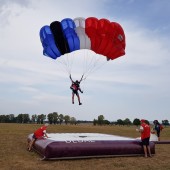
[[99, 35]]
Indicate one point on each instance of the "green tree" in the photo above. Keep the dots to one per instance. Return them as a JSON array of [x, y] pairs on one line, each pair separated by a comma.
[[50, 118], [136, 122], [106, 122], [94, 122], [55, 117], [38, 119], [73, 121], [43, 117], [4, 118], [120, 122], [66, 119], [23, 118], [26, 118], [100, 119], [11, 118], [127, 122], [34, 118], [19, 118], [165, 122], [61, 118]]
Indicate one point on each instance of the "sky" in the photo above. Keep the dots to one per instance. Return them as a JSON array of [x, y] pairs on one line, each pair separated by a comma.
[[135, 85]]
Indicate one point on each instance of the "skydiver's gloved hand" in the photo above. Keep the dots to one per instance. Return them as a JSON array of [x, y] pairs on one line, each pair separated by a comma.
[[81, 91]]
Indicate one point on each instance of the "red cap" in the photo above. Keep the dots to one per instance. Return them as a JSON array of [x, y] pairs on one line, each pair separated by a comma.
[[142, 120]]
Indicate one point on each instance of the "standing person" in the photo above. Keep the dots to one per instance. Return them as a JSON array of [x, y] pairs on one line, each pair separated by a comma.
[[145, 137], [39, 133], [157, 128], [75, 87]]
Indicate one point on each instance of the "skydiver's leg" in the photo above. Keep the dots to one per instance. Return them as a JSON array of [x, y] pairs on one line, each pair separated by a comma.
[[78, 99], [72, 97]]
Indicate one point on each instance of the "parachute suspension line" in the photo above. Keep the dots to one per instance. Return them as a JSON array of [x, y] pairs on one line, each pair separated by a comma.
[[67, 63], [89, 62], [60, 66], [85, 61], [94, 64], [96, 67], [85, 64], [70, 61], [63, 65]]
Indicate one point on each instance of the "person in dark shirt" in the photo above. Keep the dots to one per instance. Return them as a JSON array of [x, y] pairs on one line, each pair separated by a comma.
[[157, 128]]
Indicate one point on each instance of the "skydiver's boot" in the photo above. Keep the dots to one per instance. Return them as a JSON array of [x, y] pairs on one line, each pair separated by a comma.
[[80, 103]]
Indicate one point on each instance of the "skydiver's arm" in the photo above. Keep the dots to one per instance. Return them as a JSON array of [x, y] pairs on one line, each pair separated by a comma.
[[71, 78], [80, 90], [81, 78]]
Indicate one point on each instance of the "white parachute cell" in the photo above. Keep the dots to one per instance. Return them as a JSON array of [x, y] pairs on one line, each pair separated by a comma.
[[85, 42]]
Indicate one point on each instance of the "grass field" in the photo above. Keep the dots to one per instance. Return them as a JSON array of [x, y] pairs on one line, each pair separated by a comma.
[[14, 156]]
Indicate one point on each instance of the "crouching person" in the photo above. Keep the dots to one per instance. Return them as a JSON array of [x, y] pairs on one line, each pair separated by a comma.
[[39, 133]]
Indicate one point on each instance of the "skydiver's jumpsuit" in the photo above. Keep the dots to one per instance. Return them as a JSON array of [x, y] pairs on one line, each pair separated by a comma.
[[75, 87]]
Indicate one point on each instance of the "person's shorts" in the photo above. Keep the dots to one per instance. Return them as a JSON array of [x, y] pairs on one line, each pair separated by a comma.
[[145, 141], [75, 92]]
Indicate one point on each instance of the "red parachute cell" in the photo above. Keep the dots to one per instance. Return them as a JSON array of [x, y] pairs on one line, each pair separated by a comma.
[[103, 31], [118, 42], [107, 38], [91, 24]]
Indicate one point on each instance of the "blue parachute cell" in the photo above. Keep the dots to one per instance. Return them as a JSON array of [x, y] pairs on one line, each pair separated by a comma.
[[48, 43], [68, 27]]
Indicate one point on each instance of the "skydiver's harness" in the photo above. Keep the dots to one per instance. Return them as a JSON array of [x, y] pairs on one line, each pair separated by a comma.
[[74, 86]]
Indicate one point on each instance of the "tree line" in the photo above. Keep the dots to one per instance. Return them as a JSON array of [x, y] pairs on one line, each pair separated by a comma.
[[56, 118], [101, 121], [52, 118]]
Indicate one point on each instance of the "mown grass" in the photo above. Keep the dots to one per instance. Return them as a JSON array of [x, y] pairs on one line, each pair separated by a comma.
[[14, 156]]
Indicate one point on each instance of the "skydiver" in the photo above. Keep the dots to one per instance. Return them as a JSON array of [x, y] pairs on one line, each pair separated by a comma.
[[75, 87]]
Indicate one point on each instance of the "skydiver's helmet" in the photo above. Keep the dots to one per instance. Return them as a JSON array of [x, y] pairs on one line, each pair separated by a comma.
[[77, 83]]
